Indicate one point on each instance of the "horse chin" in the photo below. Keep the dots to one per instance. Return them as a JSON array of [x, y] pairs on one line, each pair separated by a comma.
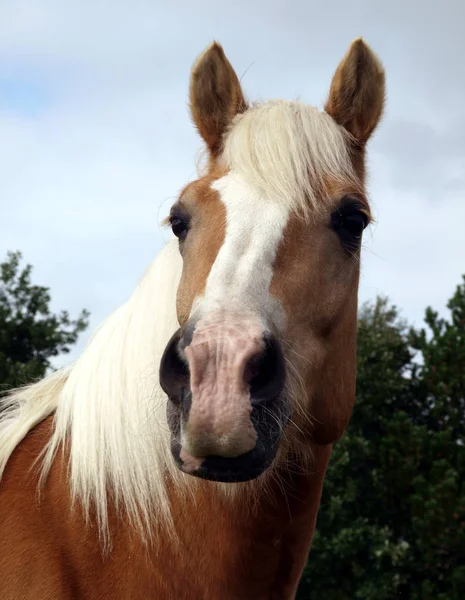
[[243, 468], [246, 467]]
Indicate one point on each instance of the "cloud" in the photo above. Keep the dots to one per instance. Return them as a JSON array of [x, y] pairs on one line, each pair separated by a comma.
[[422, 157], [96, 140]]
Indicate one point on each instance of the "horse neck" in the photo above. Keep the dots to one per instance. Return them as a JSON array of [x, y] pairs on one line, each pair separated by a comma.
[[264, 531]]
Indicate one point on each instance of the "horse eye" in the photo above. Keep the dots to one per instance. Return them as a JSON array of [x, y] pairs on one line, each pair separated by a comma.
[[179, 226], [349, 221], [355, 223]]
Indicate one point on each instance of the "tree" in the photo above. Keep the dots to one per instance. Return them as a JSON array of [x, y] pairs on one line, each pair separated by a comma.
[[30, 335], [392, 517]]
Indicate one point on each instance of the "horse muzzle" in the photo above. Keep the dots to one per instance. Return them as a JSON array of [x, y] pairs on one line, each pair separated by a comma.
[[224, 378]]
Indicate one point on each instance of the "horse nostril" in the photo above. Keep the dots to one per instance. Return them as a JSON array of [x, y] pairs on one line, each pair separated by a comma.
[[174, 371], [266, 373]]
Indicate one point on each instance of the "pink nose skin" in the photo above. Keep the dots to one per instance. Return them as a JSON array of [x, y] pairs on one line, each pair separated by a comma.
[[219, 417]]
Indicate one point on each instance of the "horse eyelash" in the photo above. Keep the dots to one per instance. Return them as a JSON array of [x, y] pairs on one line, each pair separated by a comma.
[[166, 222]]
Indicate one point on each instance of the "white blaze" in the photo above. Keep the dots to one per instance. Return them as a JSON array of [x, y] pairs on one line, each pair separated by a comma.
[[233, 315], [240, 278]]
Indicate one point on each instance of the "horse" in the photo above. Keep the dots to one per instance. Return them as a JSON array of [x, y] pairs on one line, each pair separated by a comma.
[[183, 454]]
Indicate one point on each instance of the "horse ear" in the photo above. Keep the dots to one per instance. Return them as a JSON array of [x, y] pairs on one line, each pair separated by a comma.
[[357, 94], [215, 96]]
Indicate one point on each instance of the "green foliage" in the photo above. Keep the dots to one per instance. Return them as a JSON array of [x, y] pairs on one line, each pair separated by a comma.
[[30, 335], [392, 518]]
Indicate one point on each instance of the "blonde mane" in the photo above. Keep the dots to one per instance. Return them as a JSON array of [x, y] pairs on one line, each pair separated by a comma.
[[109, 407], [288, 151]]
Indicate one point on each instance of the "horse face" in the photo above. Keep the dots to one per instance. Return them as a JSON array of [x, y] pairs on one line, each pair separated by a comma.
[[270, 239]]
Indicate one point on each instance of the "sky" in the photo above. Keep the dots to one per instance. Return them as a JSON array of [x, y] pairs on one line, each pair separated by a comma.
[[96, 139]]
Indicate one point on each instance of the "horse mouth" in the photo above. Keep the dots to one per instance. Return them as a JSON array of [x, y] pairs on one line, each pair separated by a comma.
[[269, 425], [246, 467]]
